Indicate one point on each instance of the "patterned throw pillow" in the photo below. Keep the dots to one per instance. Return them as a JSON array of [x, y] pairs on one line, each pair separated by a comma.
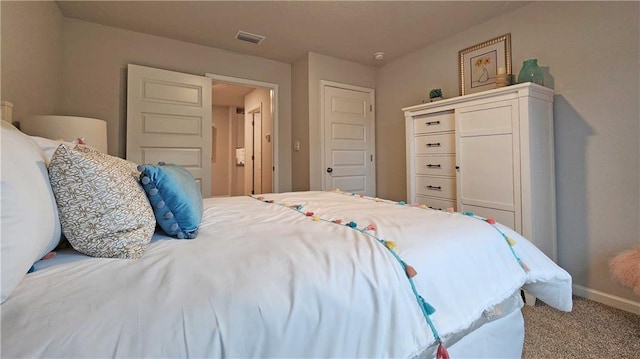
[[175, 198], [103, 210]]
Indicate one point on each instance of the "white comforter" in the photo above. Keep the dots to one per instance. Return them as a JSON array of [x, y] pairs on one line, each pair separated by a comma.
[[264, 280]]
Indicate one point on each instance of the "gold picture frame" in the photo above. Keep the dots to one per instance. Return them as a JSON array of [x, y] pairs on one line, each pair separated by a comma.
[[479, 64]]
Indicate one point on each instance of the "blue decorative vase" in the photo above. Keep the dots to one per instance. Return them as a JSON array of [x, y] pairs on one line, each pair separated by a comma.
[[530, 72]]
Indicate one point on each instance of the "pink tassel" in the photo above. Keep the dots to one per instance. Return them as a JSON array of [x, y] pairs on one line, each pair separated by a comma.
[[49, 255], [410, 271], [442, 352], [526, 267]]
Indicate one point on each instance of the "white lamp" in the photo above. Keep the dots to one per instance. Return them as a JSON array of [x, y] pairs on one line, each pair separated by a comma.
[[68, 128]]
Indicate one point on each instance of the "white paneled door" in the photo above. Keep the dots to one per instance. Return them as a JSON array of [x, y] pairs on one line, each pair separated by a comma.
[[169, 120], [348, 139]]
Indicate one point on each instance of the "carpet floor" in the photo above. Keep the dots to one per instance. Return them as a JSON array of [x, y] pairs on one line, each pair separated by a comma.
[[591, 330]]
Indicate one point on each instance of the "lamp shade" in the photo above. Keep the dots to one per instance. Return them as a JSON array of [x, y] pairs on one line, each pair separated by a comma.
[[68, 128]]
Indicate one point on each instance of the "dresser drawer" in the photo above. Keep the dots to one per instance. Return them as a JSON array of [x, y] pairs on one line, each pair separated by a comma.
[[436, 187], [436, 203], [434, 122], [436, 165], [431, 144]]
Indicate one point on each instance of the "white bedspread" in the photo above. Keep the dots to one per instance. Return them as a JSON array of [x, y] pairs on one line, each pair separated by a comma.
[[264, 280]]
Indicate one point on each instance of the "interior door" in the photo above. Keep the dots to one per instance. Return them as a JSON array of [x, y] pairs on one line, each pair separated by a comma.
[[348, 140], [169, 120]]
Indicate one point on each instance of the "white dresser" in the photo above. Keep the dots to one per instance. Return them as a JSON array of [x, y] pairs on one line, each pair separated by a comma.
[[490, 153]]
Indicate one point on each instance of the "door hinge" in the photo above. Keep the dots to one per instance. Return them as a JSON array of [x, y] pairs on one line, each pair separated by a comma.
[[370, 108], [371, 158]]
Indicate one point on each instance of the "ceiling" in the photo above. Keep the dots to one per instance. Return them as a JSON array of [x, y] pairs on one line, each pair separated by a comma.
[[350, 30], [224, 94]]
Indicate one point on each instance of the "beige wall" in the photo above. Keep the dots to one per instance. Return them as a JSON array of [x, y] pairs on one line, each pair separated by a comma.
[[32, 57], [591, 51], [300, 123], [327, 68], [94, 83]]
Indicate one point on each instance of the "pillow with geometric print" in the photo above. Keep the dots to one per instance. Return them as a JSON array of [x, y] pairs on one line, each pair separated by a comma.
[[103, 210]]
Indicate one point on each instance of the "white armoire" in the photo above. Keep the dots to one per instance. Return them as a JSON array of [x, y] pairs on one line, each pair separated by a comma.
[[490, 153]]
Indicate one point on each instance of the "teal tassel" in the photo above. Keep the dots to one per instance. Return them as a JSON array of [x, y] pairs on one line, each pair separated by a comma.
[[427, 307]]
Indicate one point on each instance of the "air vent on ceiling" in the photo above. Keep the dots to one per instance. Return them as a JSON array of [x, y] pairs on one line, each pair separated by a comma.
[[249, 37]]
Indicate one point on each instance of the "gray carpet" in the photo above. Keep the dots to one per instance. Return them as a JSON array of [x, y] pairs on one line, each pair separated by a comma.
[[591, 330]]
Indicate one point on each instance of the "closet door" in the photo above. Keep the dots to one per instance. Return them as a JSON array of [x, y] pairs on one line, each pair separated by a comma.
[[488, 160]]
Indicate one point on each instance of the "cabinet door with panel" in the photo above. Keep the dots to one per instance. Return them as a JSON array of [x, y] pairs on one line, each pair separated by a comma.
[[488, 159]]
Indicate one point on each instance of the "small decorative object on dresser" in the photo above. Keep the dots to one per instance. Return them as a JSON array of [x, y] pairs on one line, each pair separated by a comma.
[[502, 79], [489, 153], [530, 72], [435, 95], [479, 64]]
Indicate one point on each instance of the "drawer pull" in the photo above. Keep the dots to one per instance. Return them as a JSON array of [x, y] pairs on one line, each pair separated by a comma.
[[434, 188], [437, 144], [431, 123], [434, 166]]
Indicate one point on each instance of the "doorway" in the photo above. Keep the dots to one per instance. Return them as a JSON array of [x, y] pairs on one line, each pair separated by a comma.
[[244, 121]]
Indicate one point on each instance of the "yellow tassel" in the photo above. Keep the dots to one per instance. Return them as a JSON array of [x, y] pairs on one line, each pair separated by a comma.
[[511, 241], [316, 219], [390, 244], [423, 206]]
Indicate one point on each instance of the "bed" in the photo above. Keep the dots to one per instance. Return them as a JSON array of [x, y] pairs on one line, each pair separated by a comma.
[[301, 274]]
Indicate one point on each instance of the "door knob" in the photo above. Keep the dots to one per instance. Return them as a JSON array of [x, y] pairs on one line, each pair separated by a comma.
[[329, 169]]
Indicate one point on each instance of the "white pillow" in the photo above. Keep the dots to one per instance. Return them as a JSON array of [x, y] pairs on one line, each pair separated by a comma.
[[30, 225], [49, 146]]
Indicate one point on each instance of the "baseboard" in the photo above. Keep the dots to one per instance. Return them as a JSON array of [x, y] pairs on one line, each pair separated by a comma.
[[607, 299]]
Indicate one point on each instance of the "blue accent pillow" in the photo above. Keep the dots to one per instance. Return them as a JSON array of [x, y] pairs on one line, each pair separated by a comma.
[[175, 198]]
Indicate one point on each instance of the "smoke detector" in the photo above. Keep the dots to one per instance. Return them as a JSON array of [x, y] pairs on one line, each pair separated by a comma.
[[378, 55], [249, 37]]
